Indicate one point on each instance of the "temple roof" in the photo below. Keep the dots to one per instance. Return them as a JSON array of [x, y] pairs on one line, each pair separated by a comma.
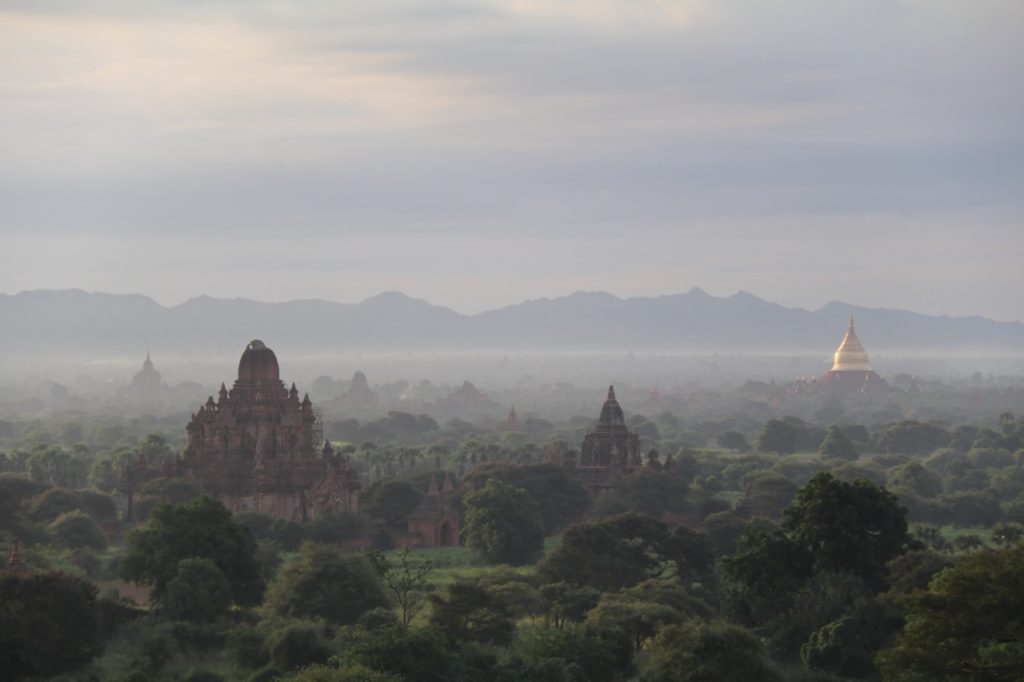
[[258, 363], [611, 411], [850, 356]]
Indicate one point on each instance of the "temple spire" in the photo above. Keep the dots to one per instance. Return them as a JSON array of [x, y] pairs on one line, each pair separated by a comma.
[[16, 564], [850, 356]]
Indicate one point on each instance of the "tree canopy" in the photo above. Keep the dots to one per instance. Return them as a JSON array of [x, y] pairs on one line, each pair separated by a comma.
[[202, 529], [968, 626], [502, 524], [323, 582]]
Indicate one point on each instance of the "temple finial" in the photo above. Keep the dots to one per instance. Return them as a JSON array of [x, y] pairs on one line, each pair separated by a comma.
[[611, 393]]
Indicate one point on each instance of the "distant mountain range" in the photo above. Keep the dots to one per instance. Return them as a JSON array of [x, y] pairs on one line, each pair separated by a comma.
[[80, 324]]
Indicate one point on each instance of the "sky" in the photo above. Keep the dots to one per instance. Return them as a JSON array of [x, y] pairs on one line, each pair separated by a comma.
[[476, 154]]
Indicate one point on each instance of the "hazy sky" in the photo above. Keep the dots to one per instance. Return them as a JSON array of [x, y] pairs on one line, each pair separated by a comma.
[[479, 153]]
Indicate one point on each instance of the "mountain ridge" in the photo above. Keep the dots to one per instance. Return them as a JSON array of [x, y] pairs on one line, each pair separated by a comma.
[[97, 322]]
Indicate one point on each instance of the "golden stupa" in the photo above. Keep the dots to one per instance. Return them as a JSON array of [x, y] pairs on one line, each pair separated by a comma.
[[851, 356]]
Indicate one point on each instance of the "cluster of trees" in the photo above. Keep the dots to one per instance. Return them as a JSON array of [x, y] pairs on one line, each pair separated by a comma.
[[805, 552]]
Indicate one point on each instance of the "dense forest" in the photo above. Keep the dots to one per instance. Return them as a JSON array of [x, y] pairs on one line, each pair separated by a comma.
[[785, 550]]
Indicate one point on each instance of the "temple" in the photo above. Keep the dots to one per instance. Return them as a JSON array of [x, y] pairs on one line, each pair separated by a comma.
[[435, 521], [851, 371], [359, 395], [16, 565], [254, 449], [146, 383], [609, 451]]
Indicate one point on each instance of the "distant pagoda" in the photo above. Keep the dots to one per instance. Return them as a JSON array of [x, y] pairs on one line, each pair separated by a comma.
[[851, 371], [610, 451]]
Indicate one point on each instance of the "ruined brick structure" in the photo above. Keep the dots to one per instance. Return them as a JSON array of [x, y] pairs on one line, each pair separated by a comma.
[[435, 522], [253, 448]]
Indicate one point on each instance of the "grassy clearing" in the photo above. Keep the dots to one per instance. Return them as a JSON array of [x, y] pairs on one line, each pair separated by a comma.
[[455, 563]]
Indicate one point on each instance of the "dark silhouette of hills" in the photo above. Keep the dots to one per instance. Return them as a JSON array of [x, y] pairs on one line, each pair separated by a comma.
[[78, 323]]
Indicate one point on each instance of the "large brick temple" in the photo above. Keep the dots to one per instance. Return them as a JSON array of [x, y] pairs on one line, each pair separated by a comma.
[[254, 449]]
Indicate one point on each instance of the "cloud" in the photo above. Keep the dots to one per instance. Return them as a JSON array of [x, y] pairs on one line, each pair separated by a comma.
[[455, 136]]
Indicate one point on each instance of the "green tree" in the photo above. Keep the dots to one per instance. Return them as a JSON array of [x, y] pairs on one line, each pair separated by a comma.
[[468, 612], [76, 529], [502, 524], [202, 529], [594, 654], [50, 504], [348, 673], [611, 554], [199, 593], [560, 499], [733, 440], [702, 652], [323, 582], [48, 624], [295, 645], [565, 603], [778, 436], [912, 437], [645, 608], [855, 527], [968, 626], [405, 578], [390, 501], [837, 445], [411, 654], [913, 476], [650, 492]]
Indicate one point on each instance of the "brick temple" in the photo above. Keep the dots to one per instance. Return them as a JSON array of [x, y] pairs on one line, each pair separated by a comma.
[[254, 449]]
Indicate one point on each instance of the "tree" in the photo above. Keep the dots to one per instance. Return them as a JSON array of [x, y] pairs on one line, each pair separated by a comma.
[[48, 624], [560, 499], [913, 476], [912, 437], [202, 529], [349, 673], [295, 645], [390, 501], [764, 573], [643, 609], [565, 603], [502, 524], [733, 440], [199, 593], [325, 583], [405, 578], [76, 529], [469, 612], [968, 626], [597, 654], [651, 492], [779, 437], [855, 527], [411, 654], [611, 554], [50, 504], [699, 652], [837, 445]]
